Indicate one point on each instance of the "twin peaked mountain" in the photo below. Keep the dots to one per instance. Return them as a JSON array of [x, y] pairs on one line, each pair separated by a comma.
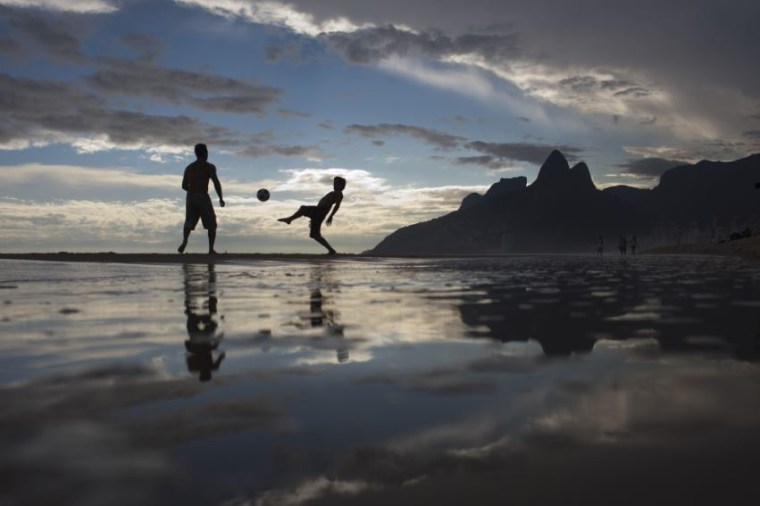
[[563, 212]]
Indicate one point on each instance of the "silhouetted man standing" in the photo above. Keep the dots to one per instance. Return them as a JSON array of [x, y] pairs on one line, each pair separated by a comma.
[[198, 204]]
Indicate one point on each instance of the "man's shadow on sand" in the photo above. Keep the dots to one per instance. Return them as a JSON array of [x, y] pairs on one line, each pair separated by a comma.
[[203, 334]]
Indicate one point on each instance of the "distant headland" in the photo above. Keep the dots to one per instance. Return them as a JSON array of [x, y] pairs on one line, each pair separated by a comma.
[[562, 211]]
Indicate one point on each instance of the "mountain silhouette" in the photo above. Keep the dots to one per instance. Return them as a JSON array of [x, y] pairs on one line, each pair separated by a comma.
[[563, 211]]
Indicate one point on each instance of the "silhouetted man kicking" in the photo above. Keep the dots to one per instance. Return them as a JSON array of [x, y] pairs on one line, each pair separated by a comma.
[[319, 212], [198, 203]]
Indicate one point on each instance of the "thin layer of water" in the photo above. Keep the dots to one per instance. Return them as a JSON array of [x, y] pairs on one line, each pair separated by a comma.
[[415, 381]]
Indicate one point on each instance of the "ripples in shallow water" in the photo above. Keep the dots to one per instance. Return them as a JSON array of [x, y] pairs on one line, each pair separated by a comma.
[[415, 381]]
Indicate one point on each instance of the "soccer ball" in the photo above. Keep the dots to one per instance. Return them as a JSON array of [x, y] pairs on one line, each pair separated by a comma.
[[263, 194]]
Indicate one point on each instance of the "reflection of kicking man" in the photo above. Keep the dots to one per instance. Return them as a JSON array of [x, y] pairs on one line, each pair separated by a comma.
[[321, 318], [202, 326], [319, 212]]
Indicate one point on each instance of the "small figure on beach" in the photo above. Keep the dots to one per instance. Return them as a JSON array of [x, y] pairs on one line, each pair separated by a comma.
[[600, 246], [320, 211], [634, 245], [622, 245], [198, 204]]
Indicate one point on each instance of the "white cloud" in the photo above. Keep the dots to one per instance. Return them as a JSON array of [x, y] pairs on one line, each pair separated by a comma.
[[63, 177], [73, 176], [602, 74], [275, 13], [76, 220], [77, 6], [319, 181], [462, 79], [693, 152]]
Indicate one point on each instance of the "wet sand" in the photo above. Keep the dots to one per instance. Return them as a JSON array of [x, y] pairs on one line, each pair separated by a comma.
[[748, 249], [168, 258], [504, 380]]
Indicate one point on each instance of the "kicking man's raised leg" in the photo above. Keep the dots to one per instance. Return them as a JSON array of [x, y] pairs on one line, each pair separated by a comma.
[[295, 215]]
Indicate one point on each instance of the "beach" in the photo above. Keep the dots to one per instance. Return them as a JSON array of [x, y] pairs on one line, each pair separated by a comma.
[[747, 248], [350, 380]]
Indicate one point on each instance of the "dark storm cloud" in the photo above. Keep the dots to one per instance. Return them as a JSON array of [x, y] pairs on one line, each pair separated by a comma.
[[489, 162], [370, 45], [8, 46], [495, 155], [288, 113], [675, 38], [648, 167], [438, 139], [522, 151], [35, 110], [261, 151], [618, 87], [126, 127], [147, 48], [274, 53], [61, 40], [293, 52], [204, 90]]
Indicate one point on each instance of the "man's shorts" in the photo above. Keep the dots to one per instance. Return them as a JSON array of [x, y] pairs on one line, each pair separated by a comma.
[[317, 215], [198, 207]]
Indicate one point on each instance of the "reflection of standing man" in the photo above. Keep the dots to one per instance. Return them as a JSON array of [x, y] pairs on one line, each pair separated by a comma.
[[202, 326], [198, 203]]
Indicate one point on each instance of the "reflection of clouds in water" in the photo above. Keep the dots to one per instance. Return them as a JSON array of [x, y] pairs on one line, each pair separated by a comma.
[[61, 434], [79, 462], [444, 382], [679, 400], [680, 431], [336, 357], [458, 392], [310, 491]]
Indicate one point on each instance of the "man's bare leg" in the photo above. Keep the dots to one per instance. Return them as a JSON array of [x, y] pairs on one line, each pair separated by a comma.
[[185, 237], [295, 215], [321, 240], [211, 241]]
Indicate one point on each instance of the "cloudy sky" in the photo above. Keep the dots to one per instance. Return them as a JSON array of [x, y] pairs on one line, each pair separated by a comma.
[[415, 102]]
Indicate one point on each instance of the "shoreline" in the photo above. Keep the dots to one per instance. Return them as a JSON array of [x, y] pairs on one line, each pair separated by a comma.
[[748, 249], [169, 258]]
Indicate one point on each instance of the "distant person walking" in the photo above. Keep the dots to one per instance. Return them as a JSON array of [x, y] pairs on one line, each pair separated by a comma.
[[198, 203], [319, 212], [600, 246], [622, 245], [634, 245]]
